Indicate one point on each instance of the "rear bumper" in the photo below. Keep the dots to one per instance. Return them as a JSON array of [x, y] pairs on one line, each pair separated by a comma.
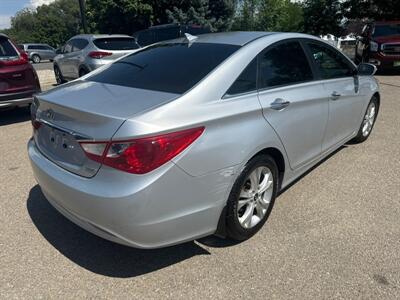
[[162, 208], [16, 99]]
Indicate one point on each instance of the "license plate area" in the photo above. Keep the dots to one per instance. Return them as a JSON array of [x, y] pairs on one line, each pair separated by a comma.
[[63, 149]]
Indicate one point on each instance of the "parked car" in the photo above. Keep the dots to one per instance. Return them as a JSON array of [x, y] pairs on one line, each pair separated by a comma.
[[165, 32], [18, 79], [38, 52], [87, 52], [192, 137], [379, 44]]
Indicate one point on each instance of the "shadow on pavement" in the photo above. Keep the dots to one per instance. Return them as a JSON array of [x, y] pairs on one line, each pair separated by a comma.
[[15, 115], [313, 168], [96, 254]]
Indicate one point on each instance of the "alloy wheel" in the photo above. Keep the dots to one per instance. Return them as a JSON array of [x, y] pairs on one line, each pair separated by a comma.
[[255, 197], [369, 119]]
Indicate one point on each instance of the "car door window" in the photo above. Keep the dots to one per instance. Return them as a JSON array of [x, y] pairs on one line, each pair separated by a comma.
[[284, 64], [330, 63], [247, 80], [78, 44]]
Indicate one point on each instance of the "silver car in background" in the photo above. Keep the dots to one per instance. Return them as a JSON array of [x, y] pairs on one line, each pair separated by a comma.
[[38, 52], [87, 52], [196, 136]]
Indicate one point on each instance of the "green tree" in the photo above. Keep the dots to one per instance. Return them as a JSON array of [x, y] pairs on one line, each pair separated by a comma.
[[247, 15], [280, 15], [269, 15], [372, 9], [322, 17], [118, 16], [217, 15], [52, 24]]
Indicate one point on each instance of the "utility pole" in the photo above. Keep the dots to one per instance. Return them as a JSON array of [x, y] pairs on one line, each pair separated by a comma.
[[83, 15]]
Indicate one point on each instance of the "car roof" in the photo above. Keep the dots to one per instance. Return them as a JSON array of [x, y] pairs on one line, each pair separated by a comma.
[[239, 38], [34, 44], [98, 36], [3, 35]]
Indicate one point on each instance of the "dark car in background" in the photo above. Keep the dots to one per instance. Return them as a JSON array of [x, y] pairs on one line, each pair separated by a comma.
[[18, 79], [379, 44], [38, 52], [165, 32]]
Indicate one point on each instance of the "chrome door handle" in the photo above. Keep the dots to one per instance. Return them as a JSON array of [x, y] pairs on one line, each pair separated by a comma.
[[279, 104], [335, 96]]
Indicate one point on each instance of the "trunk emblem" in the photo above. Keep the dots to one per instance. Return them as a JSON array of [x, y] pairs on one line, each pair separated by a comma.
[[49, 114]]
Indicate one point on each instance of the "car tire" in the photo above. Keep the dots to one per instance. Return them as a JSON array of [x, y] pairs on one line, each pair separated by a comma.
[[249, 205], [368, 121], [83, 72], [36, 59], [59, 77]]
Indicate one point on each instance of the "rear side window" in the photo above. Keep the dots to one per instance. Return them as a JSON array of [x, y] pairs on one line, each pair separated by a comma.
[[116, 43], [331, 63], [6, 49], [173, 68], [247, 81], [284, 64], [79, 44]]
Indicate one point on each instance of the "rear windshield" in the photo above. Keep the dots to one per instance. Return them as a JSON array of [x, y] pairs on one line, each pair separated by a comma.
[[6, 49], [116, 43], [386, 30], [173, 68]]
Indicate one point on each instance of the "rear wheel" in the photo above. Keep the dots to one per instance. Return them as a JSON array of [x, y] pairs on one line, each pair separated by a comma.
[[36, 58], [252, 198], [368, 121], [57, 73], [83, 72]]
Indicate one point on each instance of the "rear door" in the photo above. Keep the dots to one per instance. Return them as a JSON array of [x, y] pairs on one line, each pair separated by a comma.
[[64, 60], [77, 56], [341, 91], [292, 101]]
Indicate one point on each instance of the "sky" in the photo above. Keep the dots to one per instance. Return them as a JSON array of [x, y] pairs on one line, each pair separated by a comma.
[[8, 8]]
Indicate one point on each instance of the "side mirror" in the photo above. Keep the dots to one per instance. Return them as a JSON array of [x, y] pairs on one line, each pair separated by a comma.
[[365, 69]]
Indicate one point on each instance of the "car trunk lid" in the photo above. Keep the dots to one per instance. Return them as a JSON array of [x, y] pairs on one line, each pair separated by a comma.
[[86, 111]]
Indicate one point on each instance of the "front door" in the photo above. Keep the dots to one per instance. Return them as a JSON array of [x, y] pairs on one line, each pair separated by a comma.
[[341, 91]]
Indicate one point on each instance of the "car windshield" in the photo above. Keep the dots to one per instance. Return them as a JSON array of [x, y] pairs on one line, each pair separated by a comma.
[[116, 43], [386, 30], [170, 67], [6, 49]]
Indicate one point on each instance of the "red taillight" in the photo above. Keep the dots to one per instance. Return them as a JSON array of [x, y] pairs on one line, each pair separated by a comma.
[[140, 156], [99, 54]]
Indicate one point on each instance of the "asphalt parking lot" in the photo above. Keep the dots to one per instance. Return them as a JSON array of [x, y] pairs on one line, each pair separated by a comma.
[[45, 65], [335, 233]]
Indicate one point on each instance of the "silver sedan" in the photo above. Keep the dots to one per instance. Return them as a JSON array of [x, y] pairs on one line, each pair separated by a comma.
[[196, 136]]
